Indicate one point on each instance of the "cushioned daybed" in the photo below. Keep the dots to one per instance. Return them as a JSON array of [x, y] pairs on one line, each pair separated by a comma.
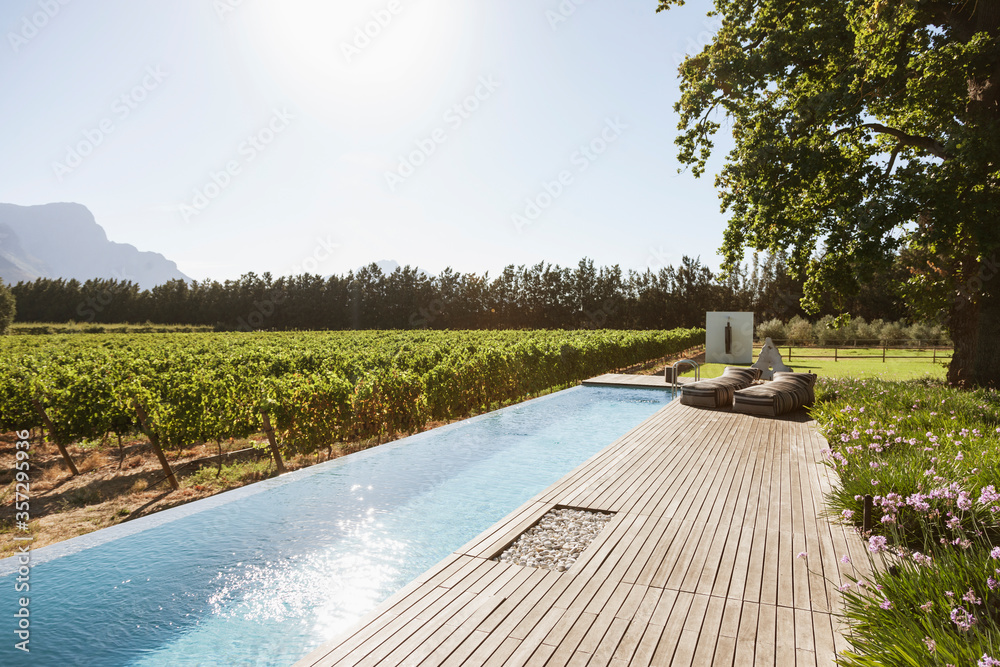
[[718, 392], [786, 392]]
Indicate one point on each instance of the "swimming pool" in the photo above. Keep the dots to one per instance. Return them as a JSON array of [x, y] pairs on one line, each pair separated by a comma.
[[264, 574]]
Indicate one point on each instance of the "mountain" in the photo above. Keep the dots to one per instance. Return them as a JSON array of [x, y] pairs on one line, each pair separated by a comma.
[[64, 241]]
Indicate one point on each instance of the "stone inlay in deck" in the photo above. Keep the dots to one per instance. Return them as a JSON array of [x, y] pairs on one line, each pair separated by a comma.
[[698, 565]]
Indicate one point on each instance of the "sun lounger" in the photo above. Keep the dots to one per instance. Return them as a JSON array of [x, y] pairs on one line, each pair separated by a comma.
[[785, 393], [718, 392]]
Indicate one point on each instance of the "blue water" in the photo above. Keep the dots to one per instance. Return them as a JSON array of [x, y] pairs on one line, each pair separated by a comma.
[[264, 574]]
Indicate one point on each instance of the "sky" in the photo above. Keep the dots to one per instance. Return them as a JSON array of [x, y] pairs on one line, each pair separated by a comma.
[[315, 136]]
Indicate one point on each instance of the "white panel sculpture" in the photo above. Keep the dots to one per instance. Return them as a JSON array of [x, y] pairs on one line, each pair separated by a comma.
[[770, 361], [728, 338]]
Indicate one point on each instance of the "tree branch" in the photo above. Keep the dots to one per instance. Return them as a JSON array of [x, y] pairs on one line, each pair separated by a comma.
[[892, 160], [932, 146]]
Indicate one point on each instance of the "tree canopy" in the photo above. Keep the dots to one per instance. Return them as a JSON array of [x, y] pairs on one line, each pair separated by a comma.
[[866, 132], [7, 308], [539, 296]]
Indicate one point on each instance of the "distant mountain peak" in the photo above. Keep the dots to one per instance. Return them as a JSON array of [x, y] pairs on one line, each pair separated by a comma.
[[63, 240]]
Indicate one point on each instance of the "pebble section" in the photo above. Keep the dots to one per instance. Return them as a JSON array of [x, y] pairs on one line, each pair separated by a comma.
[[557, 540]]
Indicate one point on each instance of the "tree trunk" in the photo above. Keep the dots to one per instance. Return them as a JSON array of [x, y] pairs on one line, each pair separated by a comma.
[[52, 436], [975, 325], [273, 443], [155, 441]]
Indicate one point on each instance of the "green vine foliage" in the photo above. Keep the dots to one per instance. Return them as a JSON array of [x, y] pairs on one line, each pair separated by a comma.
[[317, 388]]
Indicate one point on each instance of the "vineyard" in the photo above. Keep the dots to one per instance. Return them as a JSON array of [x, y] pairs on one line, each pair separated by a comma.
[[304, 390]]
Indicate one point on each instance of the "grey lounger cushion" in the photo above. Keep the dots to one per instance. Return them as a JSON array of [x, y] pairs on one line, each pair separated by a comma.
[[787, 392], [718, 392]]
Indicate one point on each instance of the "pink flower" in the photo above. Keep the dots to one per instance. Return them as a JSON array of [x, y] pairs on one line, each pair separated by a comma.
[[995, 553], [931, 644], [962, 619], [845, 559], [927, 606], [802, 554], [877, 543], [987, 661], [964, 501], [885, 604]]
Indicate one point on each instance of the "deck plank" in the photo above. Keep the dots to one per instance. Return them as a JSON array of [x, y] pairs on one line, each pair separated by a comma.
[[698, 565]]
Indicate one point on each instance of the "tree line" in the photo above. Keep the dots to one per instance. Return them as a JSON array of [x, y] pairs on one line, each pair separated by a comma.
[[542, 296]]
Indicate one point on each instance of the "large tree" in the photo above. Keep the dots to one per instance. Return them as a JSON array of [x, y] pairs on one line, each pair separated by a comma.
[[865, 131]]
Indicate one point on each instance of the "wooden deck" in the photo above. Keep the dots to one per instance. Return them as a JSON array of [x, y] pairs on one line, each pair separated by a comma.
[[623, 380], [698, 566]]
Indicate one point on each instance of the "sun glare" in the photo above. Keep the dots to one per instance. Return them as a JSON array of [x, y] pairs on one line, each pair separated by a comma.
[[384, 55]]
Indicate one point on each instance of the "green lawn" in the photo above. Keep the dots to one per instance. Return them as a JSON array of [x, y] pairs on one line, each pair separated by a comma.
[[891, 369]]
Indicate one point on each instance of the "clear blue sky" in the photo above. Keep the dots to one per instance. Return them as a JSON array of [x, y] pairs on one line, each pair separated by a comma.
[[254, 135]]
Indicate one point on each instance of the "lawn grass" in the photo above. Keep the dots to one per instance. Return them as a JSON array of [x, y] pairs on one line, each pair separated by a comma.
[[895, 369], [929, 455]]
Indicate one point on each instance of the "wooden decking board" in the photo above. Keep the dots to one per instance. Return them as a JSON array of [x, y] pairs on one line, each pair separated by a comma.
[[540, 657], [673, 629], [753, 586], [504, 532], [710, 633], [698, 566], [704, 567], [376, 641], [414, 597], [786, 530], [462, 629], [641, 381], [594, 479], [567, 647], [784, 641], [739, 582], [535, 638], [648, 551], [643, 656], [815, 595], [716, 577]]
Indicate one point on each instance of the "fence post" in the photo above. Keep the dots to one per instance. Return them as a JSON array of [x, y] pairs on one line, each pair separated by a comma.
[[834, 353], [883, 352], [789, 352], [935, 354]]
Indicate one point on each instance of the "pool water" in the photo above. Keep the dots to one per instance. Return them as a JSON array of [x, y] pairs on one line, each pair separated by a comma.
[[264, 574]]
